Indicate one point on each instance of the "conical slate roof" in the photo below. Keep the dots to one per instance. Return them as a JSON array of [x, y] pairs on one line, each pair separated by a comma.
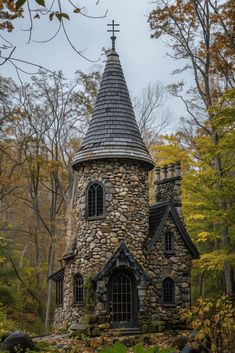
[[113, 131]]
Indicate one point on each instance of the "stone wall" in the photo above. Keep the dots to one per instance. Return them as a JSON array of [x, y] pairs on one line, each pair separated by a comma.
[[126, 219], [168, 180], [126, 212], [160, 266]]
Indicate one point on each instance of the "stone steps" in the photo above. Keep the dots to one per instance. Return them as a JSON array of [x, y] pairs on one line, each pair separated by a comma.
[[125, 332]]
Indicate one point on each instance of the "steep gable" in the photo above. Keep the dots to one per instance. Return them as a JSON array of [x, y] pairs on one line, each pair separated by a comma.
[[121, 257], [159, 214]]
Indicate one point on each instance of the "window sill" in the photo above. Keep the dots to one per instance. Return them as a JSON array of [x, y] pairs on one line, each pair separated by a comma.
[[78, 305], [169, 254], [169, 305], [95, 218]]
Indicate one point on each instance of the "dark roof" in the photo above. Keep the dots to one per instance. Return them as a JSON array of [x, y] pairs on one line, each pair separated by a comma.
[[122, 258], [158, 216], [113, 131], [57, 276], [70, 253]]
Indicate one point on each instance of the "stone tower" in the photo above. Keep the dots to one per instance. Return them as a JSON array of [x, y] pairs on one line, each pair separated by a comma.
[[118, 271], [113, 158]]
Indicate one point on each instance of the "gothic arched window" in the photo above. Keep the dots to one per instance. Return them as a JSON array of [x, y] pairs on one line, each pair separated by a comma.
[[78, 290], [95, 200], [168, 291], [169, 243]]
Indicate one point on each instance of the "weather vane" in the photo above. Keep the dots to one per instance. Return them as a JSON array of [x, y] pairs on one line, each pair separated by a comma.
[[113, 30]]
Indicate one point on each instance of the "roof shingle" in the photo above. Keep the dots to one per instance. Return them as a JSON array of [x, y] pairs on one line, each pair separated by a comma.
[[113, 131]]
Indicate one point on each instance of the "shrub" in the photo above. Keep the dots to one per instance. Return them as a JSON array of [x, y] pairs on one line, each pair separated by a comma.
[[5, 324], [214, 318]]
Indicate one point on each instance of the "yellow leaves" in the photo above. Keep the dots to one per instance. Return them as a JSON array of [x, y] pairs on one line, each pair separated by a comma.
[[196, 216], [214, 260], [213, 317], [203, 236]]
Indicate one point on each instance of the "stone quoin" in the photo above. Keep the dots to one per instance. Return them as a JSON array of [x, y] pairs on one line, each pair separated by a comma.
[[129, 264]]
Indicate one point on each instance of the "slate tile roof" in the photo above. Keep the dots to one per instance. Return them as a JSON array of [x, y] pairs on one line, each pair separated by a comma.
[[156, 214], [113, 131]]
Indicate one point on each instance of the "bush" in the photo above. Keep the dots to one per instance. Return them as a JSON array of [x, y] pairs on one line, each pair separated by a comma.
[[5, 324], [214, 318]]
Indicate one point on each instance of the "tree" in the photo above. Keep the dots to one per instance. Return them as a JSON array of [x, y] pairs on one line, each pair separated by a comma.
[[44, 122], [151, 118], [202, 33], [30, 13]]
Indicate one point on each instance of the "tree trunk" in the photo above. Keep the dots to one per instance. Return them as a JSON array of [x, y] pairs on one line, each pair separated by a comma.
[[222, 205], [51, 261], [69, 210]]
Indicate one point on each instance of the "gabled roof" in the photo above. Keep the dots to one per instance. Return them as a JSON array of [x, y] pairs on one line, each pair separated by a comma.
[[121, 258], [113, 131], [158, 217]]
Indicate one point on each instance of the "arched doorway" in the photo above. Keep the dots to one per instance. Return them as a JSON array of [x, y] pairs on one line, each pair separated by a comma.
[[122, 299]]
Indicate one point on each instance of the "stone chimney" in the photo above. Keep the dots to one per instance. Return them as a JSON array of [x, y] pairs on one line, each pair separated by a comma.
[[168, 184]]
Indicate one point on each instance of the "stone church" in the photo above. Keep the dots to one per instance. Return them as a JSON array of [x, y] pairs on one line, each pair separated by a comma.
[[129, 266]]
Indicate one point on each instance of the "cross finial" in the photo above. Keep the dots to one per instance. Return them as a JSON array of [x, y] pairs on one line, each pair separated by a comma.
[[113, 30]]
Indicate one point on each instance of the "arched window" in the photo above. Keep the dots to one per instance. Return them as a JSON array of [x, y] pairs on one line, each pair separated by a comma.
[[78, 289], [169, 243], [95, 200], [168, 291]]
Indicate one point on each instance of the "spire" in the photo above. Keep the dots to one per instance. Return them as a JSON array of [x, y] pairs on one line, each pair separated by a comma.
[[113, 131]]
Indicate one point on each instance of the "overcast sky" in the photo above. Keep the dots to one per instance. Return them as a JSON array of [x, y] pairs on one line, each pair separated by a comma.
[[143, 59]]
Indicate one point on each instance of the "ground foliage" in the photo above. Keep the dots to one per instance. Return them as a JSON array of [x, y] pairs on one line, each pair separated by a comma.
[[152, 343], [213, 318]]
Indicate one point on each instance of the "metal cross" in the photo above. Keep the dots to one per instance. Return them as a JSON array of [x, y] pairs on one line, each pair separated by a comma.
[[113, 30]]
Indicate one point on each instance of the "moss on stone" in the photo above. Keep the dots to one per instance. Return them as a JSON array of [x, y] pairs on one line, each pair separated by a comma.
[[95, 332]]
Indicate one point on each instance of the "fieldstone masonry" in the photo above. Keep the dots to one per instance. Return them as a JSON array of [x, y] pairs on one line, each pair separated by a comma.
[[168, 184], [128, 238], [126, 212], [178, 267]]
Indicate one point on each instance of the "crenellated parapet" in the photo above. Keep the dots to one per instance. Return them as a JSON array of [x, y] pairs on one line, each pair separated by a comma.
[[168, 183]]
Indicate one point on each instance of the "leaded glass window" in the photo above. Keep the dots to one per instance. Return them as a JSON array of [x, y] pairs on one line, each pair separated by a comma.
[[168, 291], [78, 289], [59, 292], [121, 298], [95, 206], [169, 242]]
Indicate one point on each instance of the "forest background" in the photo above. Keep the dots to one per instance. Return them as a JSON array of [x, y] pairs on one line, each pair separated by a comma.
[[44, 120]]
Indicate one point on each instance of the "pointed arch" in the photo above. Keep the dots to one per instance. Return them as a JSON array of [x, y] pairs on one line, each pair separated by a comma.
[[78, 289], [122, 298], [95, 200]]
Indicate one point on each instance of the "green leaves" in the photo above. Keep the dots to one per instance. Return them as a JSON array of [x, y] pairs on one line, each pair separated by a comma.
[[116, 348], [119, 347], [20, 3], [40, 2], [59, 16], [139, 348]]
